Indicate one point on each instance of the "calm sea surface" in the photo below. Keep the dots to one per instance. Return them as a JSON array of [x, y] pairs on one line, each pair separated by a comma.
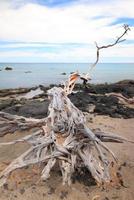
[[31, 74]]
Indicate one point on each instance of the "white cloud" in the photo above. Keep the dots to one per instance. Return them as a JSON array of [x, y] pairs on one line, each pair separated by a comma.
[[36, 23], [77, 24], [25, 45], [79, 54], [14, 54]]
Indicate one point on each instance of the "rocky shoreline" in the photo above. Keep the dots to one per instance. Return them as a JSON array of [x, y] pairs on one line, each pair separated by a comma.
[[95, 99]]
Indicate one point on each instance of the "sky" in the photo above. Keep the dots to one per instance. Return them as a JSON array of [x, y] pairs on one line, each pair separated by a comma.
[[65, 30]]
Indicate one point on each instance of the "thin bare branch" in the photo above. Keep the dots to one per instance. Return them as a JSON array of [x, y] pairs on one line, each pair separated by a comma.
[[117, 41]]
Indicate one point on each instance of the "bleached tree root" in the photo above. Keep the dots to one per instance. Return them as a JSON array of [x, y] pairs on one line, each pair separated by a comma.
[[10, 123], [62, 137], [121, 97]]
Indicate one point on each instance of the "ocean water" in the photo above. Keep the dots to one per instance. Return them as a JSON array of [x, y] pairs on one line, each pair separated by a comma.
[[50, 73]]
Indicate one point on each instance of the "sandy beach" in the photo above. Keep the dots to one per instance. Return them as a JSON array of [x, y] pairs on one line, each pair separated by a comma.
[[26, 183]]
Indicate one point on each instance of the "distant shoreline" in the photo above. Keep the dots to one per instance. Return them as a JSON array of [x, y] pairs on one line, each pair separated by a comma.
[[78, 85]]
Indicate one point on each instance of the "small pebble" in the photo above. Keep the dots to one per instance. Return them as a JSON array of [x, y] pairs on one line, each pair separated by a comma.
[[22, 191], [124, 164], [63, 194], [51, 190], [5, 186], [106, 198], [34, 188]]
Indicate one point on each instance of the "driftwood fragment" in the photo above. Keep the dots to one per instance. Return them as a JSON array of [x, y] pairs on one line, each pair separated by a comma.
[[10, 123], [121, 97]]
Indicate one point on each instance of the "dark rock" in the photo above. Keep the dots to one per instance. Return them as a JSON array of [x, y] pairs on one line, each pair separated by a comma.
[[44, 88], [8, 92], [22, 191], [63, 73], [51, 190], [106, 198], [27, 72], [124, 164], [6, 103], [104, 105], [33, 108], [125, 87], [5, 186], [83, 99], [8, 68]]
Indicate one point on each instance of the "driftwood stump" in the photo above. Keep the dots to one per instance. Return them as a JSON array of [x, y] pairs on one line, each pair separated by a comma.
[[62, 137]]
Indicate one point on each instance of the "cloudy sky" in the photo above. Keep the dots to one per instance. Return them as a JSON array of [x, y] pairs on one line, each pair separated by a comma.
[[64, 30]]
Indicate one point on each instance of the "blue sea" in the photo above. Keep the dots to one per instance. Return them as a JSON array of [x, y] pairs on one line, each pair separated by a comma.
[[33, 74]]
